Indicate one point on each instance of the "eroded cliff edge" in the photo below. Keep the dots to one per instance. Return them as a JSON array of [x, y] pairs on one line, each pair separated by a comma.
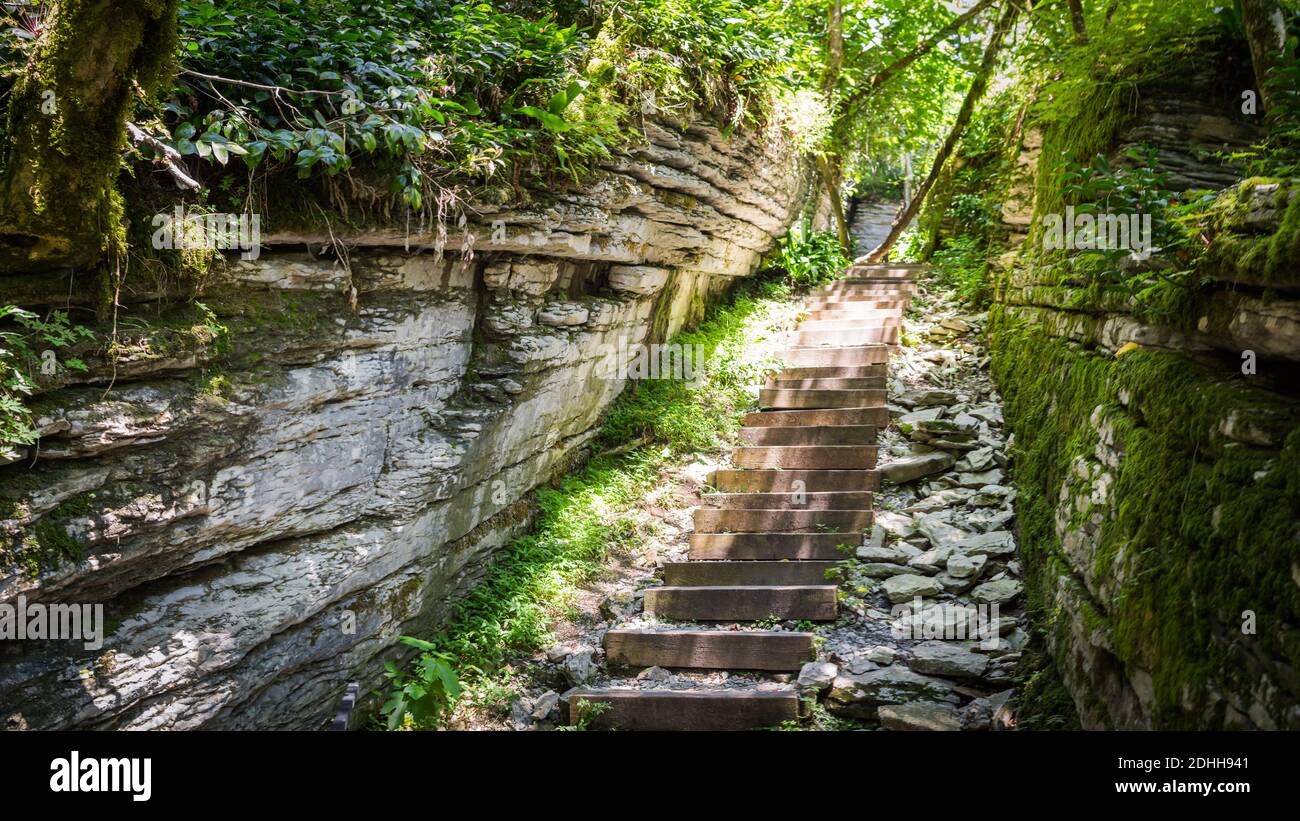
[[263, 509]]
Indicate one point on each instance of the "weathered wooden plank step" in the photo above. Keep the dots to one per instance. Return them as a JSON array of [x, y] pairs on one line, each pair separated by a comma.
[[832, 500], [854, 383], [747, 574], [844, 355], [875, 417], [787, 481], [775, 650], [843, 338], [812, 602], [852, 324], [835, 372], [845, 314], [719, 710], [789, 520], [892, 270], [843, 300], [865, 285], [811, 435], [807, 457], [799, 398], [739, 547]]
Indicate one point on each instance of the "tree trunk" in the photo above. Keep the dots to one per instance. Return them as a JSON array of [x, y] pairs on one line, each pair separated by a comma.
[[831, 179], [1076, 21], [66, 130], [977, 87], [1266, 32], [828, 166]]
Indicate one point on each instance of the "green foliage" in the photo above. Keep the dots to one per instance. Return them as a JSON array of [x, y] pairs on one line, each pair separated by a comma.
[[424, 92], [960, 264], [701, 417], [810, 257], [427, 694], [23, 353]]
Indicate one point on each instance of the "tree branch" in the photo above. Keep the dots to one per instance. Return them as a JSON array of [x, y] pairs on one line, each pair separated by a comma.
[[168, 157], [883, 76], [977, 87]]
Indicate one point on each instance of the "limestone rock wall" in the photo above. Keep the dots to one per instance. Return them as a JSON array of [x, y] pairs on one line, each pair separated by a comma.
[[1158, 508], [264, 511]]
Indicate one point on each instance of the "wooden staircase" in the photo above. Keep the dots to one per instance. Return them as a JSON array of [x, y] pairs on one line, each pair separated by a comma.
[[801, 494]]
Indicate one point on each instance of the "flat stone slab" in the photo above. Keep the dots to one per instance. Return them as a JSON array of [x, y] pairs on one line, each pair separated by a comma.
[[905, 587], [996, 544], [996, 592], [919, 715], [910, 469], [947, 658]]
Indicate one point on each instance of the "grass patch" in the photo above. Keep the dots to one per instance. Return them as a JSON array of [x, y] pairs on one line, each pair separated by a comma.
[[594, 512]]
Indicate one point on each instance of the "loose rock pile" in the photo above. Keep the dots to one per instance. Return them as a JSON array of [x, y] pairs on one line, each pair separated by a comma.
[[922, 646]]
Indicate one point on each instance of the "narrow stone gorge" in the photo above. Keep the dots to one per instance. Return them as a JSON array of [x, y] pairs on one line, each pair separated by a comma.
[[262, 531], [333, 337]]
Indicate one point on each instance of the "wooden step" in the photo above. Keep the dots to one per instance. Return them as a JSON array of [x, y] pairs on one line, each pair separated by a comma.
[[843, 338], [820, 357], [875, 417], [846, 314], [741, 547], [853, 383], [694, 574], [784, 481], [884, 270], [718, 710], [834, 372], [775, 650], [841, 500], [811, 435], [850, 324], [789, 520], [797, 398], [812, 602], [840, 300], [807, 457], [865, 285]]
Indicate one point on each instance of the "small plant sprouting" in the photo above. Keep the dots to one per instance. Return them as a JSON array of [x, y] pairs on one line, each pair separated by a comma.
[[584, 712], [428, 693]]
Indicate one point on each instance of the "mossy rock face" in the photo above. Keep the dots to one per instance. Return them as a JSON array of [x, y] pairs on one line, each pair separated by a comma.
[[1193, 528]]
